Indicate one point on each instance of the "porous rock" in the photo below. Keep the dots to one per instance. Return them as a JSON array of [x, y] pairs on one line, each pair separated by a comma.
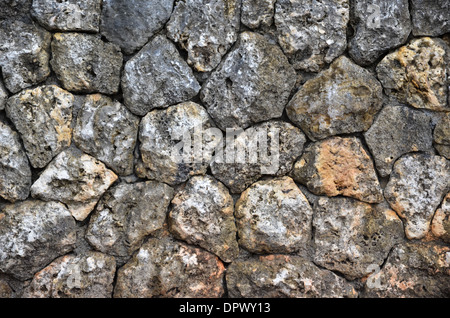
[[257, 13], [441, 220], [3, 96], [430, 17]]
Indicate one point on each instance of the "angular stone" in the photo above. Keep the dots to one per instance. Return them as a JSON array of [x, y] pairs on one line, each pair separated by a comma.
[[170, 269], [130, 24], [416, 74], [203, 214], [398, 130], [444, 150], [345, 99], [76, 179], [257, 13], [352, 236], [3, 96], [71, 15], [312, 33], [108, 131], [442, 135], [379, 26], [251, 85], [273, 216], [441, 220], [205, 29], [15, 180], [86, 64], [417, 185], [43, 117], [126, 214], [33, 233], [280, 276], [430, 17], [157, 76], [25, 51]]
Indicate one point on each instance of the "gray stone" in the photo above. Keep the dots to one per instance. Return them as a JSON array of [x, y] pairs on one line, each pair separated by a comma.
[[442, 135], [257, 13], [251, 85], [15, 10], [131, 23], [157, 77], [3, 96], [33, 233], [441, 220], [430, 17]]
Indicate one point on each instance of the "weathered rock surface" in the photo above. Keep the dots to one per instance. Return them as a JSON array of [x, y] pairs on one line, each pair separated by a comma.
[[416, 74], [130, 24], [417, 185], [5, 289], [3, 96], [76, 179], [251, 85], [352, 236], [86, 64], [203, 214], [43, 117], [429, 17], [167, 268], [342, 99], [441, 220], [379, 25], [442, 135], [15, 10], [312, 33], [25, 52], [157, 76], [398, 130], [257, 13], [280, 276], [84, 276], [108, 131], [339, 166], [33, 233]]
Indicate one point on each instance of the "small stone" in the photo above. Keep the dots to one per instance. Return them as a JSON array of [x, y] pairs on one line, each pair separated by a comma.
[[83, 276], [108, 131], [340, 100], [86, 64], [398, 130], [170, 269], [131, 23], [312, 33], [417, 185], [126, 214], [24, 54], [68, 15], [441, 221], [443, 150], [5, 290], [379, 25], [203, 214], [430, 17], [257, 13], [442, 135], [352, 236], [273, 216], [3, 96], [251, 85], [416, 74], [157, 76], [33, 233], [43, 117], [281, 276], [76, 179]]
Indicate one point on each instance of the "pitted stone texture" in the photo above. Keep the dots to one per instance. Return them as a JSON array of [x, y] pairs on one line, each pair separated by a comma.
[[71, 15], [131, 23], [3, 96], [203, 214], [416, 74], [379, 25], [5, 289], [257, 13], [417, 186], [24, 54], [441, 220], [33, 233], [157, 76], [108, 131], [413, 270], [86, 64], [206, 29], [340, 100], [84, 276], [282, 137], [339, 166], [442, 135], [126, 214], [251, 85], [15, 180], [43, 117], [281, 276], [15, 10], [273, 216], [398, 130], [430, 17], [312, 33], [352, 236], [76, 179], [170, 269]]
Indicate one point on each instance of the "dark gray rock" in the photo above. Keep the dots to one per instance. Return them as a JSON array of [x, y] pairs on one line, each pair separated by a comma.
[[430, 17], [442, 135], [15, 10], [257, 13]]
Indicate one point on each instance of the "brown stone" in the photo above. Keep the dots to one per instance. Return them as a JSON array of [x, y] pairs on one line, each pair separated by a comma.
[[441, 221]]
